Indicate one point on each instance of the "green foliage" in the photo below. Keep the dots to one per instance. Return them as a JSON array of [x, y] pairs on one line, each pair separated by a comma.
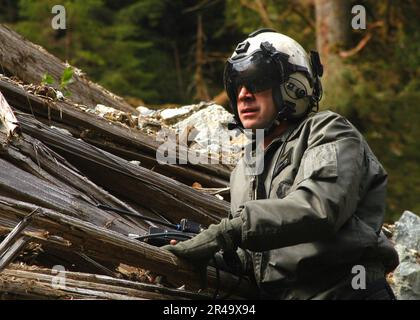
[[65, 79], [47, 79], [67, 76]]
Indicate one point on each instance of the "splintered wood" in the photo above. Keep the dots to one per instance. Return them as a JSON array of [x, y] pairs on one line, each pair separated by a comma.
[[59, 162], [64, 178], [7, 118]]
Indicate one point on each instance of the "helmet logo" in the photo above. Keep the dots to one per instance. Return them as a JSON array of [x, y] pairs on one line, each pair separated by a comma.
[[295, 89], [242, 47]]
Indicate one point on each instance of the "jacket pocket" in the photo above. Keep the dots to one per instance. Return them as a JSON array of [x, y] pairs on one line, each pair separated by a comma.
[[319, 162]]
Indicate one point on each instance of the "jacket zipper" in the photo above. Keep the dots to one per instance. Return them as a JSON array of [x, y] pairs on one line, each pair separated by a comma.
[[257, 260], [253, 189]]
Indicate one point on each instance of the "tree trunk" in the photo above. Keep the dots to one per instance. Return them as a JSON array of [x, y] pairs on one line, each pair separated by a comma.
[[332, 35], [200, 85], [332, 27]]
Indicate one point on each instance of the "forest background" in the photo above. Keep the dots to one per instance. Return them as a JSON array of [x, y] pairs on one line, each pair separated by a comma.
[[172, 52]]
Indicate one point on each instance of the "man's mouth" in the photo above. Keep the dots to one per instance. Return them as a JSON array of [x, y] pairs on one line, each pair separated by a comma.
[[248, 111]]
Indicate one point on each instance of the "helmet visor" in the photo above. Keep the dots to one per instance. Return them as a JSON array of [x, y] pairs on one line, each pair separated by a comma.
[[256, 72]]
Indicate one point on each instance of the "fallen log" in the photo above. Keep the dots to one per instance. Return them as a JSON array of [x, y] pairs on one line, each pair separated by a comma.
[[75, 235], [35, 158], [24, 186], [116, 138], [44, 283], [29, 62], [148, 189], [55, 181], [32, 172], [38, 285], [11, 253], [14, 242]]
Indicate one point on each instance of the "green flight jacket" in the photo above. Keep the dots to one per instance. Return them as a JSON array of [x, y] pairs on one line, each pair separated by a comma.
[[315, 211]]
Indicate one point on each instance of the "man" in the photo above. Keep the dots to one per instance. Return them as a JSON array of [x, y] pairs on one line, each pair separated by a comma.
[[311, 221]]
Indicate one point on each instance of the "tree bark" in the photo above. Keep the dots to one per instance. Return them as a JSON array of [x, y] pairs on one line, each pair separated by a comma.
[[30, 62], [200, 85], [40, 177], [39, 282], [333, 35], [116, 137], [332, 27]]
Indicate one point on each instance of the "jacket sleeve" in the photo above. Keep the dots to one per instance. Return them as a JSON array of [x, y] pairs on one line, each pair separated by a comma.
[[324, 194]]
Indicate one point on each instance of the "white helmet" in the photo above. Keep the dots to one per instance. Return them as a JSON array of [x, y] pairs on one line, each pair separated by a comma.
[[270, 60]]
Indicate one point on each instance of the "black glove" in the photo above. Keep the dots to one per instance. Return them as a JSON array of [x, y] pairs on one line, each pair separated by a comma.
[[199, 250]]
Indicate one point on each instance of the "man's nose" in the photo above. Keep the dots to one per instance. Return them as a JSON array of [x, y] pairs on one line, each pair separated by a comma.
[[244, 93]]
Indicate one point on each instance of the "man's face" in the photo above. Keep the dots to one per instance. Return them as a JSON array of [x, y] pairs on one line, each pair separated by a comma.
[[256, 110]]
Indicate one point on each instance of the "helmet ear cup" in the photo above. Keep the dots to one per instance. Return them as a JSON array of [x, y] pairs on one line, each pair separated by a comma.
[[296, 95], [295, 91]]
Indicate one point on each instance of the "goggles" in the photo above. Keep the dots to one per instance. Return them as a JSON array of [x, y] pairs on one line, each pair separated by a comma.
[[256, 72]]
